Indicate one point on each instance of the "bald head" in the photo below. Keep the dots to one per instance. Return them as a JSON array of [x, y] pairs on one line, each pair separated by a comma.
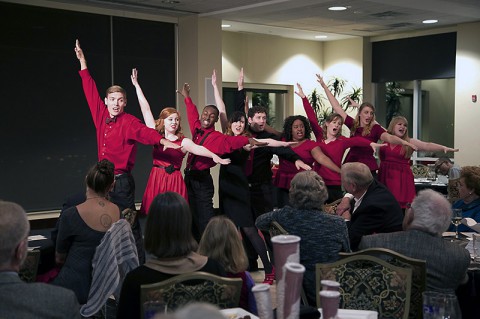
[[14, 228]]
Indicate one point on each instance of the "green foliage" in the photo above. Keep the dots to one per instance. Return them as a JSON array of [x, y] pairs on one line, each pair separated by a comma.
[[336, 85], [393, 92]]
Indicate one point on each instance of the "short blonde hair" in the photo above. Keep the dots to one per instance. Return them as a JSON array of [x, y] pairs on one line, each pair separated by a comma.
[[308, 191]]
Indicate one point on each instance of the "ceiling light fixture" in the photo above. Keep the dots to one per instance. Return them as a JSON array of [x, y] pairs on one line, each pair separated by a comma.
[[226, 25], [321, 37], [337, 8], [430, 21]]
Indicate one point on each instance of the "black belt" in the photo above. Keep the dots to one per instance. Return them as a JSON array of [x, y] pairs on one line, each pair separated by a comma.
[[169, 169], [197, 172]]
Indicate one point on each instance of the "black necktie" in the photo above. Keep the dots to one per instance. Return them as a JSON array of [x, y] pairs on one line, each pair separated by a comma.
[[109, 120]]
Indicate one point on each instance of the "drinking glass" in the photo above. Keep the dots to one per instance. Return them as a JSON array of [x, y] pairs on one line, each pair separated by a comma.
[[456, 220]]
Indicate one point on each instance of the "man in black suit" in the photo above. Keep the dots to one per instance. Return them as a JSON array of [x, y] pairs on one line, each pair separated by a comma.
[[371, 208], [19, 299]]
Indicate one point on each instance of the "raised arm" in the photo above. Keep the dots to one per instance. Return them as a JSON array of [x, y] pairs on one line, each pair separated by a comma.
[[312, 117], [80, 55], [323, 159], [219, 102], [142, 100], [189, 146], [333, 101], [192, 112]]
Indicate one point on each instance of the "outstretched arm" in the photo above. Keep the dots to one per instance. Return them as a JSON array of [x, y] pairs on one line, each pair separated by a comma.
[[142, 100], [392, 139], [219, 102], [431, 147], [189, 146], [80, 55], [333, 101], [323, 159]]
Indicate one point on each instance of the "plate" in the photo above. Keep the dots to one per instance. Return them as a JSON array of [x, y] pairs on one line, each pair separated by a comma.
[[237, 313], [354, 314]]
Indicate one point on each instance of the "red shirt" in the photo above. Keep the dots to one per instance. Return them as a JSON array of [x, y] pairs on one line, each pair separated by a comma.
[[216, 142], [116, 141]]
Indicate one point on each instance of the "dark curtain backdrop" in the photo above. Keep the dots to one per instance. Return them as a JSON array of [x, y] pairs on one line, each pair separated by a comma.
[[47, 132]]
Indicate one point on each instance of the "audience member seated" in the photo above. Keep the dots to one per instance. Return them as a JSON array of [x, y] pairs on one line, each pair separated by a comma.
[[445, 166], [169, 239], [469, 193], [221, 241], [373, 209], [17, 298], [81, 229], [322, 235], [426, 220]]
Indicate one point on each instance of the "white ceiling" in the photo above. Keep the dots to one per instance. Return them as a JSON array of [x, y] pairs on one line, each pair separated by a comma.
[[304, 19]]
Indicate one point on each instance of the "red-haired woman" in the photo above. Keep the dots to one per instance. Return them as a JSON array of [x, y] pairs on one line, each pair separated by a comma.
[[165, 175]]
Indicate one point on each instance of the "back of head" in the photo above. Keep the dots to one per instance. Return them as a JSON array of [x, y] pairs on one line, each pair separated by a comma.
[[168, 228], [221, 242], [199, 311], [308, 191], [357, 173], [431, 212], [100, 177], [14, 227], [471, 176]]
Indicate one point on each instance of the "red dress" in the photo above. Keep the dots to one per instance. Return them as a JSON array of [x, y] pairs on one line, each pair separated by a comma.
[[160, 180], [287, 170], [395, 173]]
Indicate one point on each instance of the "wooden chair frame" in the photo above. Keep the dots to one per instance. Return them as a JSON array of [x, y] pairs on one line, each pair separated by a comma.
[[200, 286], [396, 278], [419, 274]]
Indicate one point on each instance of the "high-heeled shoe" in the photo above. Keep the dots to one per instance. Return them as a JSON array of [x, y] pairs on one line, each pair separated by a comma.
[[270, 277]]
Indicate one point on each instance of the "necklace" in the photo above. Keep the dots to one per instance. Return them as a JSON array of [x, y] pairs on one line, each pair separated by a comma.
[[95, 197]]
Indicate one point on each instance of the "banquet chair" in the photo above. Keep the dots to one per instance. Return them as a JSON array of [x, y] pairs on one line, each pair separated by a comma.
[[196, 286], [369, 283], [277, 229], [419, 274], [28, 271], [420, 171]]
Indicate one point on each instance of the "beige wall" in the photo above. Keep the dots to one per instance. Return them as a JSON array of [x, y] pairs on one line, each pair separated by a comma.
[[467, 83]]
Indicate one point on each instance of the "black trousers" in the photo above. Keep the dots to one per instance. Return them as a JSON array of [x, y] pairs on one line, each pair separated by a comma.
[[123, 195], [200, 191]]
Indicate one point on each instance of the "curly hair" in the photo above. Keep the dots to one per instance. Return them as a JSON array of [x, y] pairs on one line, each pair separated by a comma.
[[471, 175], [330, 118], [356, 123], [406, 150], [257, 109], [288, 124], [160, 122], [308, 191]]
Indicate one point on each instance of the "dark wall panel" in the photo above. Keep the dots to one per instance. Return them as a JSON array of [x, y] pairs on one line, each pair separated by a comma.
[[419, 58], [46, 129]]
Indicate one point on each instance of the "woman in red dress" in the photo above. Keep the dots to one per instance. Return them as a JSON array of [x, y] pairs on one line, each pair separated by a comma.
[[165, 175], [395, 171]]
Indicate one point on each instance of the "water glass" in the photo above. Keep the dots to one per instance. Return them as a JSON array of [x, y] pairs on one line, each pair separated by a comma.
[[331, 285], [475, 246], [440, 306], [329, 300], [456, 220]]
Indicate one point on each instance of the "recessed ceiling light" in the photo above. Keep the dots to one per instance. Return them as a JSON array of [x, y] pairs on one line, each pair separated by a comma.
[[430, 21], [337, 8], [170, 2], [321, 37], [226, 25]]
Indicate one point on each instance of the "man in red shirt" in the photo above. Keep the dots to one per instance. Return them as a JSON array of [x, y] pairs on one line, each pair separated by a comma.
[[198, 180], [117, 136]]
